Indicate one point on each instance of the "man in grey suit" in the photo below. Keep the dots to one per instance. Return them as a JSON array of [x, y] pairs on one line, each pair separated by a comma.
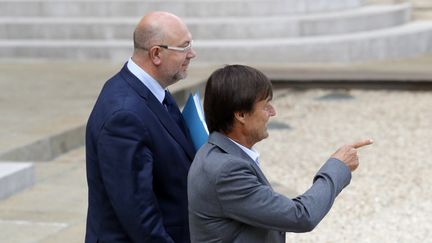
[[230, 199]]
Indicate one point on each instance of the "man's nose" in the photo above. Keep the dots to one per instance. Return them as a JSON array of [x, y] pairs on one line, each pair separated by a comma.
[[272, 111], [191, 54]]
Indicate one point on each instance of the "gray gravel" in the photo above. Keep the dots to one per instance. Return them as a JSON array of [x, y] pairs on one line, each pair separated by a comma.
[[389, 198]]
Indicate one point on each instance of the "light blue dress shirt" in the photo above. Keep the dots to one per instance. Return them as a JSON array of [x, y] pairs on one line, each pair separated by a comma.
[[147, 80]]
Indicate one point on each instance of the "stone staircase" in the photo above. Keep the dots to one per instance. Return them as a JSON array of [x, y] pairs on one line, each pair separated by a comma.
[[225, 31]]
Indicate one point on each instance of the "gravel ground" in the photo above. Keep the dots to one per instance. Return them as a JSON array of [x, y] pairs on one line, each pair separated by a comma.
[[389, 198]]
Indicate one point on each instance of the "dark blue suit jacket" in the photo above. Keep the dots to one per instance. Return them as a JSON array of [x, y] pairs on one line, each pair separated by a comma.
[[137, 165]]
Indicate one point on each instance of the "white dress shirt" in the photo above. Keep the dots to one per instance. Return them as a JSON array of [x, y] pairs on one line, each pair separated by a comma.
[[253, 154]]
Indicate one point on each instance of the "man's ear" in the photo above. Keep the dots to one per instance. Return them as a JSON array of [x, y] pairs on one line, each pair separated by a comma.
[[155, 55], [240, 116]]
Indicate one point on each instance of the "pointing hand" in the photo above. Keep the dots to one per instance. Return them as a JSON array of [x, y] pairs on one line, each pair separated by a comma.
[[348, 153]]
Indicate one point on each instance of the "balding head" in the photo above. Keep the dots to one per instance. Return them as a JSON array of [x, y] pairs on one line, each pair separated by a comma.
[[153, 35], [156, 28]]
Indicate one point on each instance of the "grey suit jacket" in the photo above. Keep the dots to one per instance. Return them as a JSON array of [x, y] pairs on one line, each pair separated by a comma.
[[230, 199]]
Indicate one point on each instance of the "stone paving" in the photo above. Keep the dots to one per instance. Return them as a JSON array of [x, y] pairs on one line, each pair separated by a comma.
[[54, 209]]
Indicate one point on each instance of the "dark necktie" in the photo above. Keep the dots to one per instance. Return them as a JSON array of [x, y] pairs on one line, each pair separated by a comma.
[[174, 111]]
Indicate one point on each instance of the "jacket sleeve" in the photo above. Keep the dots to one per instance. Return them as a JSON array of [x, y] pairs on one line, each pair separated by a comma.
[[244, 198], [126, 166]]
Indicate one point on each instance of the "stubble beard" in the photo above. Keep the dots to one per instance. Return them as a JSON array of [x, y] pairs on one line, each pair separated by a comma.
[[177, 77], [180, 75]]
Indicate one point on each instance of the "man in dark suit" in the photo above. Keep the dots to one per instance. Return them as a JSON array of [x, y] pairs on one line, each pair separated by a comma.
[[138, 151], [230, 199]]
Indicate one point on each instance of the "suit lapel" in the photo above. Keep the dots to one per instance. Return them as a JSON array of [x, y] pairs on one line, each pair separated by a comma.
[[159, 111], [171, 126], [229, 147]]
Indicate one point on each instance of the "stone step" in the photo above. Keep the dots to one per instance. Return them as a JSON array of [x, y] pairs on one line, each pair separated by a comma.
[[404, 41], [392, 43], [47, 148], [359, 19], [422, 4], [15, 177], [328, 23], [184, 8]]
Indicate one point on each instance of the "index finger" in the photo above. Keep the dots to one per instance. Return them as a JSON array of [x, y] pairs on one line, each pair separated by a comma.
[[362, 143]]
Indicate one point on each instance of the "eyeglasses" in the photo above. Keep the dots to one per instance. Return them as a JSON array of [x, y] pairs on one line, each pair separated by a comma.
[[175, 48]]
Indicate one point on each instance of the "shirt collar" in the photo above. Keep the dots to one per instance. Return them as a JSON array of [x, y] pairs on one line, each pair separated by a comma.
[[147, 80], [252, 153]]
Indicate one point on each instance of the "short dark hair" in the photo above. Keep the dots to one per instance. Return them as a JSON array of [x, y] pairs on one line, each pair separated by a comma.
[[230, 89]]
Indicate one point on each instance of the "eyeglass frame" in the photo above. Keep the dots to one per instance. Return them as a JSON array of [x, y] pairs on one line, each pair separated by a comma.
[[176, 48]]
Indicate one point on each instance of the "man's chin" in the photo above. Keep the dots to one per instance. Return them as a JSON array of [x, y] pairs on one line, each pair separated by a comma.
[[180, 76], [266, 134], [183, 75]]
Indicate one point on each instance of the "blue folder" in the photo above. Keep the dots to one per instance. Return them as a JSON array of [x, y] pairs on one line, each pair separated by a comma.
[[194, 117]]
